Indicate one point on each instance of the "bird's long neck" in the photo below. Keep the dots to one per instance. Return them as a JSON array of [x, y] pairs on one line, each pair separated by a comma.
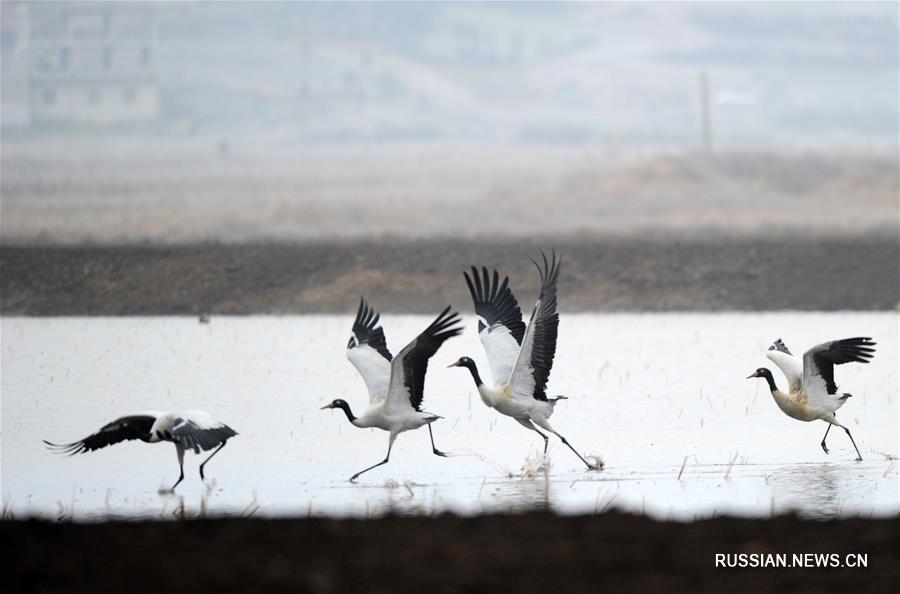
[[474, 371], [771, 381], [346, 408]]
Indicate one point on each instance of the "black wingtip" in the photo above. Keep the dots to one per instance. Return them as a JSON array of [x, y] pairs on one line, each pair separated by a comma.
[[472, 293], [555, 265], [495, 289], [442, 325], [849, 350], [366, 328], [366, 316], [859, 344], [549, 273], [68, 449], [494, 301]]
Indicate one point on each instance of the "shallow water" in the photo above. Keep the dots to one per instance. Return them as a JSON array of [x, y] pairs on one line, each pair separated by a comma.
[[661, 398]]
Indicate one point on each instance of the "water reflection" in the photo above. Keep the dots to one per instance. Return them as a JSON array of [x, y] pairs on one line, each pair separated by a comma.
[[816, 490], [518, 494]]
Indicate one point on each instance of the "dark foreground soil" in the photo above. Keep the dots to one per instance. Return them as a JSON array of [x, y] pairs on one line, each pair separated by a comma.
[[526, 553], [422, 276]]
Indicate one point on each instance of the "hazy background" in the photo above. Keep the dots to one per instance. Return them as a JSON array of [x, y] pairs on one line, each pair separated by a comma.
[[241, 121]]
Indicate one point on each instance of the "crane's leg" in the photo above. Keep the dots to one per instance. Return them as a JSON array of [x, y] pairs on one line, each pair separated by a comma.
[[858, 455], [210, 457], [386, 458], [529, 425], [824, 447], [542, 422], [434, 449], [580, 457], [179, 449]]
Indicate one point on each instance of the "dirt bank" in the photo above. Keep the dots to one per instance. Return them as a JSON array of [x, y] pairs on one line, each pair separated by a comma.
[[527, 553], [423, 276]]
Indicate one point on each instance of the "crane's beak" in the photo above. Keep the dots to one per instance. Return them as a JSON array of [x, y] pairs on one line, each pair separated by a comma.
[[326, 406], [751, 376], [454, 364]]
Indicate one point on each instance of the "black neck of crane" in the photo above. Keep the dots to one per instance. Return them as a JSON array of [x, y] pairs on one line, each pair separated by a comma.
[[470, 365], [346, 408]]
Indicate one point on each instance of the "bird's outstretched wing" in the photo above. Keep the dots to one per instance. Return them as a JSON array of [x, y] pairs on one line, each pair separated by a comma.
[[196, 430], [122, 429], [367, 351], [532, 368], [500, 325], [791, 366], [818, 368], [409, 366]]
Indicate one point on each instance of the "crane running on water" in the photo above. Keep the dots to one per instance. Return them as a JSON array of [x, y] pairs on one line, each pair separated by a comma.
[[188, 430], [396, 384], [812, 394], [520, 358]]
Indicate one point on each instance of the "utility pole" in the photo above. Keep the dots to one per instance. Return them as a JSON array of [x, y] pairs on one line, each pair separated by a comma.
[[705, 113]]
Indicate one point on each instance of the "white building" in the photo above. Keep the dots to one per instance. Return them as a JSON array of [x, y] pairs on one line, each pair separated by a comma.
[[92, 63]]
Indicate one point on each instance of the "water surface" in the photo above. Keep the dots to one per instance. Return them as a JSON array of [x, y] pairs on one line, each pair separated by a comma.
[[660, 398]]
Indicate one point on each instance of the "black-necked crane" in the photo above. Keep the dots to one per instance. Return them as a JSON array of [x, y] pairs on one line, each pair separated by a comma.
[[396, 384], [188, 430], [812, 394], [520, 359]]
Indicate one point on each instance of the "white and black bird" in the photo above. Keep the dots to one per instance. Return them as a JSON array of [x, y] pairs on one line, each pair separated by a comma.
[[396, 384], [188, 430], [812, 394], [520, 359]]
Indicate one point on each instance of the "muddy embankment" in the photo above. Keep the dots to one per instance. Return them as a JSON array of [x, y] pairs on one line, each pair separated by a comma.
[[422, 276]]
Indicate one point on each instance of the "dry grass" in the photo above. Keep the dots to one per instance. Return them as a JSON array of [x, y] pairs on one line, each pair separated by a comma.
[[469, 193]]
